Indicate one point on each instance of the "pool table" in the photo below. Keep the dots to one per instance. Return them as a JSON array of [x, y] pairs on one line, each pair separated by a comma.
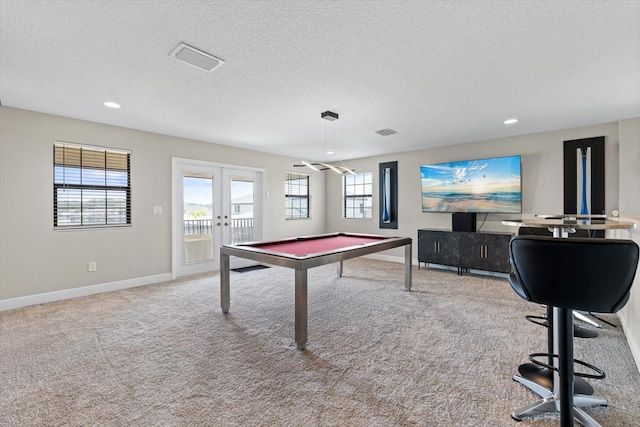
[[302, 253]]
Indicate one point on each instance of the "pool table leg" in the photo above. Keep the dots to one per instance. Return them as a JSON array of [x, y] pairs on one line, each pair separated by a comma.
[[224, 283], [339, 268], [407, 267], [301, 309]]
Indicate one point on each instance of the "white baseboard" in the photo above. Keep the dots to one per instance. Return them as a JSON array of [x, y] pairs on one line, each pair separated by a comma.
[[633, 344], [12, 303]]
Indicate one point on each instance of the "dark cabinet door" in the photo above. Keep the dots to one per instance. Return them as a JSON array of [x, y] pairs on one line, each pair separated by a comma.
[[427, 246], [482, 251], [438, 247], [496, 254], [471, 251], [448, 251]]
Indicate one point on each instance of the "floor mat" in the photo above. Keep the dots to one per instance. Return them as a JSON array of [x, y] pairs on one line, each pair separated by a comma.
[[250, 268]]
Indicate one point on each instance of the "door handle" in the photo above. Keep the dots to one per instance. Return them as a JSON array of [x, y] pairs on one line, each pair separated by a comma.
[[484, 251]]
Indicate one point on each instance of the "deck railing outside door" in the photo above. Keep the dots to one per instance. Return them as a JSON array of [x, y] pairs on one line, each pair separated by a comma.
[[241, 228]]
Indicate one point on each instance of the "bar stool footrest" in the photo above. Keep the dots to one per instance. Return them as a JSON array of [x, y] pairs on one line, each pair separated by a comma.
[[599, 372]]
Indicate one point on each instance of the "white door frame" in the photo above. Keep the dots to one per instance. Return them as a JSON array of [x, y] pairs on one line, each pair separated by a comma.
[[178, 167]]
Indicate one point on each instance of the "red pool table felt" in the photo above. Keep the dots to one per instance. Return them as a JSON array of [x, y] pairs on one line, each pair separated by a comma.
[[305, 247]]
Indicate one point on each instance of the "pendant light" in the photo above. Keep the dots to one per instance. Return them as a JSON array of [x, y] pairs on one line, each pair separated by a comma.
[[330, 148]]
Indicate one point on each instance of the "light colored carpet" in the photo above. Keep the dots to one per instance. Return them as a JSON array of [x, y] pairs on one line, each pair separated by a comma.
[[441, 355]]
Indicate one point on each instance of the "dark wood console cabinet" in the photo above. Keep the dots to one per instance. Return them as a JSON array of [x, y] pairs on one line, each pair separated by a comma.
[[465, 250], [438, 247]]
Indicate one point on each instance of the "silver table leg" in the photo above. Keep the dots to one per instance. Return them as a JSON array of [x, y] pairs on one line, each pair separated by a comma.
[[301, 309], [407, 267], [224, 283]]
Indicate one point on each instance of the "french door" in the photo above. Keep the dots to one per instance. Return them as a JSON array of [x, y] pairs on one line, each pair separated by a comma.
[[213, 204]]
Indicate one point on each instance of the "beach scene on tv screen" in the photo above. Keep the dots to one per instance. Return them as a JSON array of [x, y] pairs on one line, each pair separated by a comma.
[[483, 185]]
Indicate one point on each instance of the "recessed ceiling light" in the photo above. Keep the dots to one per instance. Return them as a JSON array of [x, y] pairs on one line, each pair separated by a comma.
[[510, 121], [111, 104]]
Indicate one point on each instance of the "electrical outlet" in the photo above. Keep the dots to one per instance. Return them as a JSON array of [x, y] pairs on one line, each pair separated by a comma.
[[157, 210], [92, 266]]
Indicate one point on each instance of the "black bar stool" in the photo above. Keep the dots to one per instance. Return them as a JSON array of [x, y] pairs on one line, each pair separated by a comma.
[[534, 376], [570, 274]]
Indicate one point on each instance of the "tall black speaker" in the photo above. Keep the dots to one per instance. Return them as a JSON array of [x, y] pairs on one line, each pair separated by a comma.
[[463, 221]]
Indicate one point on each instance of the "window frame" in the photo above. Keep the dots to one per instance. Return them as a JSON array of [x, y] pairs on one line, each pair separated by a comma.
[[288, 196], [115, 166], [357, 195]]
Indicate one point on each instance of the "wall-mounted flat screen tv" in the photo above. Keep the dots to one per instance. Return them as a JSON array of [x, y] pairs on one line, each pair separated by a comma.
[[483, 185]]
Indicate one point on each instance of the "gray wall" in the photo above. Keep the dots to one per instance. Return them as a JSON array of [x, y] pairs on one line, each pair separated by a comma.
[[35, 259], [629, 173], [629, 168], [542, 179]]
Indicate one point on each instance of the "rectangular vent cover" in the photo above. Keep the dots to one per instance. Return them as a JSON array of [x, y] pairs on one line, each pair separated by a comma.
[[386, 132], [195, 57]]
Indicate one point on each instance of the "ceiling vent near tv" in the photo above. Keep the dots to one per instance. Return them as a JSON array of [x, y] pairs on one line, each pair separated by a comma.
[[196, 57], [386, 132]]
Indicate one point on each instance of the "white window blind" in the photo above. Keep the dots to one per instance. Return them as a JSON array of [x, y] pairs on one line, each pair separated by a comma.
[[296, 195], [91, 186]]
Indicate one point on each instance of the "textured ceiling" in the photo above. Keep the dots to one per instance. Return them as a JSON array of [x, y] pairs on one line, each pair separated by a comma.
[[437, 72]]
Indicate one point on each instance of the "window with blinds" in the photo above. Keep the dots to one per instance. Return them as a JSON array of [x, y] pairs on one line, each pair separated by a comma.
[[357, 193], [296, 195], [91, 186]]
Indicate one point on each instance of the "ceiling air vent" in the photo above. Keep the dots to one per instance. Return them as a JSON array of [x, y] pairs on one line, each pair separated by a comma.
[[386, 132], [195, 57]]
